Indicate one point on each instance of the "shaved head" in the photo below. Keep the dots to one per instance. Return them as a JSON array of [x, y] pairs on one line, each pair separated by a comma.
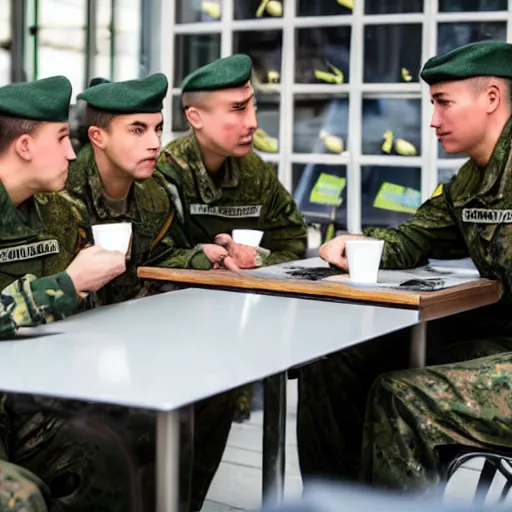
[[481, 83]]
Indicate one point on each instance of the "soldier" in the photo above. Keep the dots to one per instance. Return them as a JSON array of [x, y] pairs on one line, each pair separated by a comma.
[[114, 177], [413, 415], [226, 185]]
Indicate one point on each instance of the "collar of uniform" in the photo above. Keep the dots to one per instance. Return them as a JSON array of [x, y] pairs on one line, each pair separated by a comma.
[[13, 227], [143, 203], [499, 167], [208, 190]]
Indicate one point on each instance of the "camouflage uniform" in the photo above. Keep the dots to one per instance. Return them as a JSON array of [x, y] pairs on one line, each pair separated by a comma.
[[470, 216], [158, 236], [245, 194]]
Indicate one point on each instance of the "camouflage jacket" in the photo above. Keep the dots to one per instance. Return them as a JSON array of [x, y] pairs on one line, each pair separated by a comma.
[[249, 196], [153, 209], [31, 301], [38, 241], [469, 216]]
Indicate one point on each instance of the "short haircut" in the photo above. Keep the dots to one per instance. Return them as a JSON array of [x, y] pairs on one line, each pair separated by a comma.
[[12, 128], [99, 118]]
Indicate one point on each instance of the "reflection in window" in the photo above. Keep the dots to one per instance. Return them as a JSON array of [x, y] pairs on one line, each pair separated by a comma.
[[61, 41], [192, 52], [5, 43], [323, 7], [323, 55], [264, 47], [320, 125], [251, 9], [193, 11], [392, 53], [393, 6], [445, 175], [266, 138], [472, 5], [390, 195], [391, 127], [453, 35], [320, 192]]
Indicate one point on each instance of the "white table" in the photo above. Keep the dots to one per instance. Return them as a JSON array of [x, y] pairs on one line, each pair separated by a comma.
[[168, 351]]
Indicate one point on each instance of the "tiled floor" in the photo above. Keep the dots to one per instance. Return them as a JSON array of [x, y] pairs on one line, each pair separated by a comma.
[[237, 485]]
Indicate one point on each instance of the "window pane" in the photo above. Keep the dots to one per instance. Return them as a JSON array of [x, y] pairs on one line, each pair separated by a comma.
[[179, 123], [472, 5], [192, 52], [453, 35], [5, 43], [266, 138], [312, 202], [264, 47], [193, 11], [393, 6], [127, 39], [251, 9], [323, 55], [445, 175], [323, 7], [61, 42], [392, 127], [103, 39], [390, 195], [392, 53], [320, 124]]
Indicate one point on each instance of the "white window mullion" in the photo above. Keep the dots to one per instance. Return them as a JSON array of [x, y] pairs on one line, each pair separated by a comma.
[[509, 23], [167, 34], [355, 114], [226, 41]]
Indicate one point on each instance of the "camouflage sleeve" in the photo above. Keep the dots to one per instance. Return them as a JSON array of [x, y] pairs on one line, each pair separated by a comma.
[[431, 233], [31, 301], [168, 255], [285, 229]]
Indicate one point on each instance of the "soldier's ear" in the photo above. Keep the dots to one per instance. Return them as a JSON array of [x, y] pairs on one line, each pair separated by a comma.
[[493, 97], [194, 117], [96, 136], [24, 147]]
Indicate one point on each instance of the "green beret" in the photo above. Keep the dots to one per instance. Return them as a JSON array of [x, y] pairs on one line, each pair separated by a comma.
[[97, 81], [487, 58], [225, 73], [44, 100], [141, 96]]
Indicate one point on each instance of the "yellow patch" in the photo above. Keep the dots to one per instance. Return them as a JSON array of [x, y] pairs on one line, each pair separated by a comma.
[[438, 191]]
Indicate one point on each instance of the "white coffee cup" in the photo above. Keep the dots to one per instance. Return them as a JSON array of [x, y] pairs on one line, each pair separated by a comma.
[[113, 237], [364, 259], [250, 237]]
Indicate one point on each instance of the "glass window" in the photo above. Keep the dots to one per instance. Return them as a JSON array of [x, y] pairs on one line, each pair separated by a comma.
[[193, 11], [5, 43], [390, 195], [393, 6], [391, 127], [324, 7], [472, 5], [179, 123], [104, 39], [127, 39], [251, 9], [320, 192], [392, 53], [323, 55], [452, 35], [266, 138], [62, 41], [264, 47], [192, 52], [320, 124], [445, 175]]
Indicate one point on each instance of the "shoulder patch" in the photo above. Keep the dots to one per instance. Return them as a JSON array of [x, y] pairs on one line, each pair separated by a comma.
[[438, 191]]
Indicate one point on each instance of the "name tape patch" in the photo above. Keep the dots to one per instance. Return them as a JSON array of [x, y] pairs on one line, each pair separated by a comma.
[[29, 251], [483, 216], [232, 212]]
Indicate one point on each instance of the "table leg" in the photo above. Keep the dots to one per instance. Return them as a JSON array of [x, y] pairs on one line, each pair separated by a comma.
[[418, 353], [274, 434], [167, 461]]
